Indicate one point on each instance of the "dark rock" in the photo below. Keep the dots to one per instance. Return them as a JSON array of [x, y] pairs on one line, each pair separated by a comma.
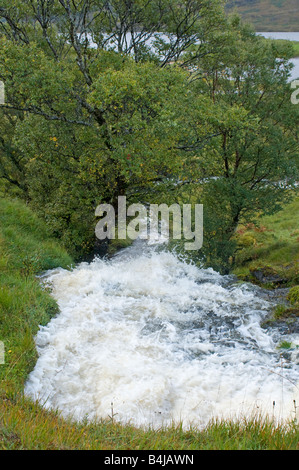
[[268, 276]]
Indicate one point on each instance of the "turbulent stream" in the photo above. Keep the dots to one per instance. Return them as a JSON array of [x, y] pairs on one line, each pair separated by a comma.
[[153, 340]]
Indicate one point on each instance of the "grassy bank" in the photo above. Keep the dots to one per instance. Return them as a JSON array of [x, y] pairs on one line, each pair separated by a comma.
[[295, 45], [269, 256], [269, 249], [296, 48], [25, 250], [27, 426]]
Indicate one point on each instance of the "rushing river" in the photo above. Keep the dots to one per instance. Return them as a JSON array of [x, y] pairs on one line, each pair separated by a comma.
[[154, 340]]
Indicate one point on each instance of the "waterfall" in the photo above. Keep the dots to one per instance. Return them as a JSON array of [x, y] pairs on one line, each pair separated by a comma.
[[156, 340]]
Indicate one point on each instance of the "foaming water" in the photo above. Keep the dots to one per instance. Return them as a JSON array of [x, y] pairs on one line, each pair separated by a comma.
[[161, 340]]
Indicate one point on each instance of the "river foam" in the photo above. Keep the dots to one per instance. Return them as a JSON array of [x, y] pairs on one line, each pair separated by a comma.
[[155, 340]]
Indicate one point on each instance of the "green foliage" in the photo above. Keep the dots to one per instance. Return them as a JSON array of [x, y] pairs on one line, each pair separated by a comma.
[[84, 124], [280, 312], [88, 119], [252, 161], [27, 426], [293, 295], [276, 244], [295, 45], [26, 249], [285, 345], [70, 170]]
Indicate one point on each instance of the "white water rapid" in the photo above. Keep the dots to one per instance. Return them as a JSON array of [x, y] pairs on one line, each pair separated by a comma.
[[155, 340]]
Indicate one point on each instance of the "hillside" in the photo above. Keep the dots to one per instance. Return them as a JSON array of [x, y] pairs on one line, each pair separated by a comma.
[[268, 15]]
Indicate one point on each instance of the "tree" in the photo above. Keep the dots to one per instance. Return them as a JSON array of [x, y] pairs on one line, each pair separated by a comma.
[[94, 123], [142, 98], [252, 163], [12, 165]]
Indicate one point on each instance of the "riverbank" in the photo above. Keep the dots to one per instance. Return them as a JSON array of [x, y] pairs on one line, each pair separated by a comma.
[[269, 257], [295, 45], [268, 250], [26, 249]]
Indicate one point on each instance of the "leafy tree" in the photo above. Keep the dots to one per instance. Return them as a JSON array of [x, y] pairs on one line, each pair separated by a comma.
[[96, 108], [110, 98], [12, 166], [252, 163]]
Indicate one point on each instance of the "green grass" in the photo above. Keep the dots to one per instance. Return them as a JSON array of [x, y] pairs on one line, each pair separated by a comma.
[[272, 243], [296, 48], [26, 249], [271, 248], [26, 426], [295, 45]]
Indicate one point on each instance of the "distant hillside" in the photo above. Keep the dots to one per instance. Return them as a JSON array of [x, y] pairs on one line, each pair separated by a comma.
[[268, 15]]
